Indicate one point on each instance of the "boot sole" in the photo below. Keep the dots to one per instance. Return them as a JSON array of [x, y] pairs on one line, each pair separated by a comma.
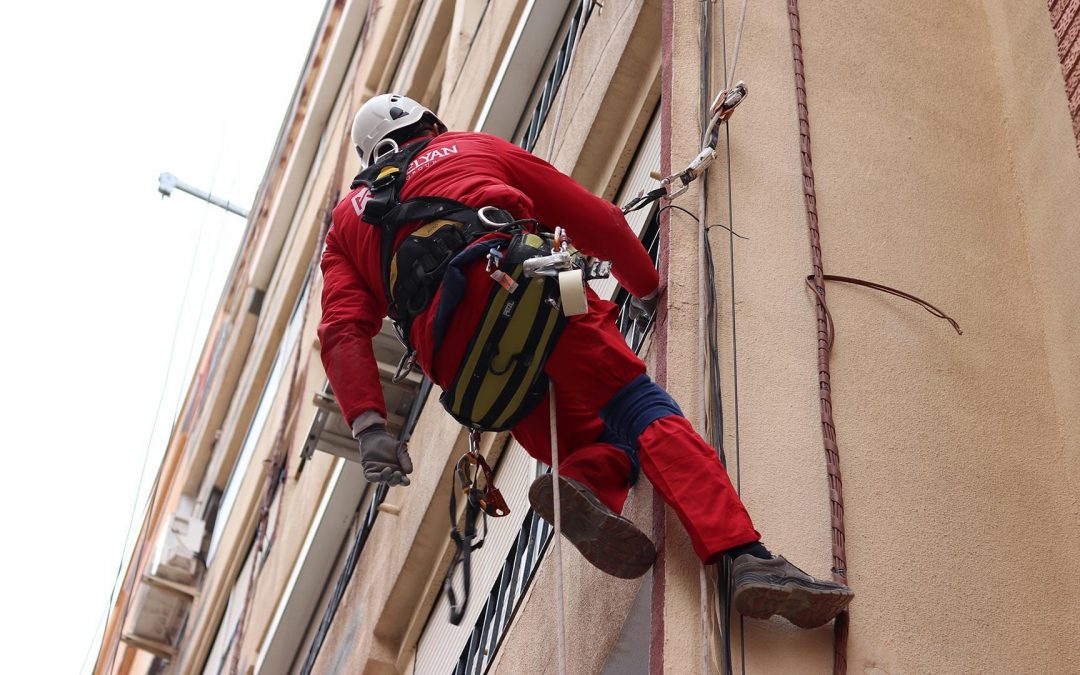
[[803, 603], [608, 541]]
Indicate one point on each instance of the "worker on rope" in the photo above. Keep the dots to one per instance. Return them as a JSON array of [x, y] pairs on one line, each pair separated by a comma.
[[432, 235]]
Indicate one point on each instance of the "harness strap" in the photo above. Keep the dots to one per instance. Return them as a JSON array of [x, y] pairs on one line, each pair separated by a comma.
[[454, 283], [413, 270], [463, 541]]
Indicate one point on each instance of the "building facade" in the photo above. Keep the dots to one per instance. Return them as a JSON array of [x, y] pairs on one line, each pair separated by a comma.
[[929, 147]]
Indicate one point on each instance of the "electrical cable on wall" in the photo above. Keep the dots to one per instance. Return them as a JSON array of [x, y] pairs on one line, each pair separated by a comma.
[[828, 430], [724, 569], [118, 584]]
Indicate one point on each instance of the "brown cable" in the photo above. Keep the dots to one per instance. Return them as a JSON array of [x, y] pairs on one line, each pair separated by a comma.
[[892, 291], [831, 330], [824, 331]]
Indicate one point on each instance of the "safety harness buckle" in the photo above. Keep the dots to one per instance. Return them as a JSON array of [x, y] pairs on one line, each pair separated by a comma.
[[494, 217]]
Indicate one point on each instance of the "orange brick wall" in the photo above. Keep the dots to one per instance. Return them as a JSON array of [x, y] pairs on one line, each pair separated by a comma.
[[1065, 16]]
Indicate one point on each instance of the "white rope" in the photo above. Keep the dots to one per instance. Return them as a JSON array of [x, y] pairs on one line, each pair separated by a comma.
[[560, 609], [560, 605], [738, 41]]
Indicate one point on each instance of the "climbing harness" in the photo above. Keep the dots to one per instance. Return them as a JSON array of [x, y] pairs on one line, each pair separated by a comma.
[[501, 378], [413, 271], [480, 500]]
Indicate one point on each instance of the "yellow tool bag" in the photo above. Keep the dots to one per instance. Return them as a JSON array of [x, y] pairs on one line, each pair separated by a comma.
[[501, 377]]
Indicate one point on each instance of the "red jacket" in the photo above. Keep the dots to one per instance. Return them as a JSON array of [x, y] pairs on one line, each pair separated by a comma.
[[477, 170]]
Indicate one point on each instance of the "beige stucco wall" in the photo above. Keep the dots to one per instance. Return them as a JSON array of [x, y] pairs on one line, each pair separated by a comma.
[[944, 167]]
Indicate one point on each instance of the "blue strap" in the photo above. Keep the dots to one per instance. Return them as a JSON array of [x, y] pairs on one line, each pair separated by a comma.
[[634, 407], [453, 283]]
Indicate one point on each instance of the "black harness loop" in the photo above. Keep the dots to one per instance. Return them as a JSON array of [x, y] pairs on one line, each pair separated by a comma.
[[482, 502], [464, 543]]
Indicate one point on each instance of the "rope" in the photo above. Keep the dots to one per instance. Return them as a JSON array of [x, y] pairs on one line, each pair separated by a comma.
[[738, 41], [560, 609], [560, 604], [824, 330], [724, 587], [565, 91]]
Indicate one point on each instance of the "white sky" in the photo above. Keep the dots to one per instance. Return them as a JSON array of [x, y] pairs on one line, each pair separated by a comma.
[[99, 98]]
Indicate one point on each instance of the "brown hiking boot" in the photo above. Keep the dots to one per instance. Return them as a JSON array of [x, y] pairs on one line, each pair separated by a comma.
[[775, 586], [606, 539]]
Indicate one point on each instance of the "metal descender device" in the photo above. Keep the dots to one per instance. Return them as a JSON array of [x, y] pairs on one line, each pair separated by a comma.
[[572, 269]]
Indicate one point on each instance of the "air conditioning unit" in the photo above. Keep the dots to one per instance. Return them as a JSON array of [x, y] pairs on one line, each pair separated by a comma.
[[176, 554], [156, 618]]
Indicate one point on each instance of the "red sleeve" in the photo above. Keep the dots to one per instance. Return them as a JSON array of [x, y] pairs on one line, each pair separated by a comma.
[[350, 319], [595, 226]]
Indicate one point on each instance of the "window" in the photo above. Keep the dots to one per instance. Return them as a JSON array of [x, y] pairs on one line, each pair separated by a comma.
[[258, 422], [514, 548], [513, 574]]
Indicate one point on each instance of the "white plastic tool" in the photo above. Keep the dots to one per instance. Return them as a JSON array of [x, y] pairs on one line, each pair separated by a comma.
[[572, 292]]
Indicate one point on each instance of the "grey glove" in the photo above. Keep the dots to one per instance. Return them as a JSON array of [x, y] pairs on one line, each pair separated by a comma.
[[381, 459], [642, 310]]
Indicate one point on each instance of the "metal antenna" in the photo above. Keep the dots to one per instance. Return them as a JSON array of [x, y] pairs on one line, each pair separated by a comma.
[[168, 182]]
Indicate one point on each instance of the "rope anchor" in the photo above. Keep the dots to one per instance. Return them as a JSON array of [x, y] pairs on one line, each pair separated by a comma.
[[723, 106]]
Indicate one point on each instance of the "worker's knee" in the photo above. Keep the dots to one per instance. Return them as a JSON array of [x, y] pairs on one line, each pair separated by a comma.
[[634, 407]]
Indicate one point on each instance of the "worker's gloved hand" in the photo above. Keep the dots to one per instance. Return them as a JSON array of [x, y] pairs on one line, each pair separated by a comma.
[[642, 310], [382, 461]]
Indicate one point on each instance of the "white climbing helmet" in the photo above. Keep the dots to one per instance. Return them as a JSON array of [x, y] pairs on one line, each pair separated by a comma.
[[378, 119]]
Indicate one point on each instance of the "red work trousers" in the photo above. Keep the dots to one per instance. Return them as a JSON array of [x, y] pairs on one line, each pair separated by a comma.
[[590, 363]]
